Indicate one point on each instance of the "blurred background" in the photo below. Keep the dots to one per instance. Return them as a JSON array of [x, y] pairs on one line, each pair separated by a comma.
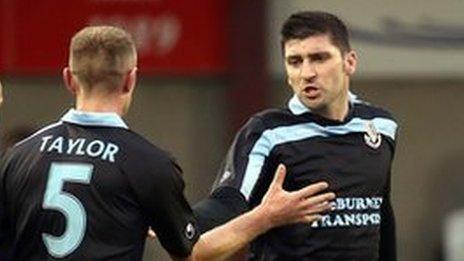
[[207, 65]]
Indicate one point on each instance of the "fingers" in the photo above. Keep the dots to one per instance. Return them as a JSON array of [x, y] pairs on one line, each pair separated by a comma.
[[309, 218], [279, 176], [315, 212], [311, 189], [314, 200], [323, 207]]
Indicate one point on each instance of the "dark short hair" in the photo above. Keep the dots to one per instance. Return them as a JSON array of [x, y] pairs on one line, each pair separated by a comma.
[[310, 23]]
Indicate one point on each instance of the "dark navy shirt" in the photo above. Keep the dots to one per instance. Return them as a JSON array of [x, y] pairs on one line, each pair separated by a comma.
[[88, 188], [354, 156]]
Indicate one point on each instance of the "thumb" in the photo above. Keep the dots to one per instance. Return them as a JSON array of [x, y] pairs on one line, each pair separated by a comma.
[[279, 176]]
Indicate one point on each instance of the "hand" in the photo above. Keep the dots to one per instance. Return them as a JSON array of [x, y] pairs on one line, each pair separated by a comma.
[[301, 206]]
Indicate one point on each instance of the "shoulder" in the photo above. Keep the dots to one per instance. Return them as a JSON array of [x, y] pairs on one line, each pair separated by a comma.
[[35, 139], [22, 149], [136, 142], [144, 154], [378, 118], [273, 118], [369, 111], [259, 123]]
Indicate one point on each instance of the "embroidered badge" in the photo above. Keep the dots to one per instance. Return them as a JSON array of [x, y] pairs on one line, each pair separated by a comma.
[[372, 137]]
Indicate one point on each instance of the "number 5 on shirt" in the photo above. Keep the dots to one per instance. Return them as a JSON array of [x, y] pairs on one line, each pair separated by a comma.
[[69, 205]]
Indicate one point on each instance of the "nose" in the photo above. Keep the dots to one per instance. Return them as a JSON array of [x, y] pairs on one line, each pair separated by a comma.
[[308, 70]]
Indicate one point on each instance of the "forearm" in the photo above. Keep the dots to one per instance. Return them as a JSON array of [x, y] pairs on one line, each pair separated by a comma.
[[278, 207], [222, 206], [223, 241]]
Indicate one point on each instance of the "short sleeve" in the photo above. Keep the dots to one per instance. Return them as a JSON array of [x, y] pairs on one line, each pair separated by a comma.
[[246, 160], [160, 190]]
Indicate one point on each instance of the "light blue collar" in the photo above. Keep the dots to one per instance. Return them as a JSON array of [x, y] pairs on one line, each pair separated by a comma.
[[104, 119], [298, 108]]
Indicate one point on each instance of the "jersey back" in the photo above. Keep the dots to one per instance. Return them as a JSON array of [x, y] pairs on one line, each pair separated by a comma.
[[78, 191]]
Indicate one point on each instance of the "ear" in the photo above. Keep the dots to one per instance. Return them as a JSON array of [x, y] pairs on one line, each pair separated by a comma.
[[130, 81], [69, 81], [350, 62], [289, 81]]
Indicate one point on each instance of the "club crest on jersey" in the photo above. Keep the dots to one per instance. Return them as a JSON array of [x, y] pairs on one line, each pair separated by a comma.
[[372, 137]]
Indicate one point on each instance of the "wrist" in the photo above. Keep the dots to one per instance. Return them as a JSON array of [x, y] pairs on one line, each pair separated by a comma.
[[265, 220]]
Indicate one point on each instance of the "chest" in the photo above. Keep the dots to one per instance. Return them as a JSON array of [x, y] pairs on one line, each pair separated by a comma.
[[351, 164]]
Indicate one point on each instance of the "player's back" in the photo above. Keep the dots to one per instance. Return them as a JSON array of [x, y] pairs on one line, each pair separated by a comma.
[[77, 192]]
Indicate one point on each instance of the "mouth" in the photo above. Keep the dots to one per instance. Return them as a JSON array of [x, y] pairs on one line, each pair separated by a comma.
[[311, 91]]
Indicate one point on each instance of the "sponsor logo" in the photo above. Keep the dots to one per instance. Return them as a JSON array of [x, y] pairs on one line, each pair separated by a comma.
[[352, 212]]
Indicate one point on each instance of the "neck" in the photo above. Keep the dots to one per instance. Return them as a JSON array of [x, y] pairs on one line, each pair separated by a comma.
[[100, 103], [338, 110], [338, 114]]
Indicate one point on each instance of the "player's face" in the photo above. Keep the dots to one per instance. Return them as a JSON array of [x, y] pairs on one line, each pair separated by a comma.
[[318, 73]]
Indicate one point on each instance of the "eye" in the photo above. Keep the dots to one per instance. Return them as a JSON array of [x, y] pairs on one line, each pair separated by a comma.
[[294, 60], [320, 57]]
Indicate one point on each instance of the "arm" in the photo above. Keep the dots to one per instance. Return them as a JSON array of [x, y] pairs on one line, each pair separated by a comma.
[[277, 208], [387, 250], [158, 187], [221, 206], [227, 199]]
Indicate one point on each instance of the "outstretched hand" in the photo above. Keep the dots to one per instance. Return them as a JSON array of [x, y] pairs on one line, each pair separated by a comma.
[[302, 206]]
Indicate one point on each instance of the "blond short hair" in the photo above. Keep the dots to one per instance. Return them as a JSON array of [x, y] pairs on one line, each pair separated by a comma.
[[102, 56]]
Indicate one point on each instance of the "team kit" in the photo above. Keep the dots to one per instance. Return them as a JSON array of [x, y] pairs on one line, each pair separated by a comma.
[[308, 181]]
